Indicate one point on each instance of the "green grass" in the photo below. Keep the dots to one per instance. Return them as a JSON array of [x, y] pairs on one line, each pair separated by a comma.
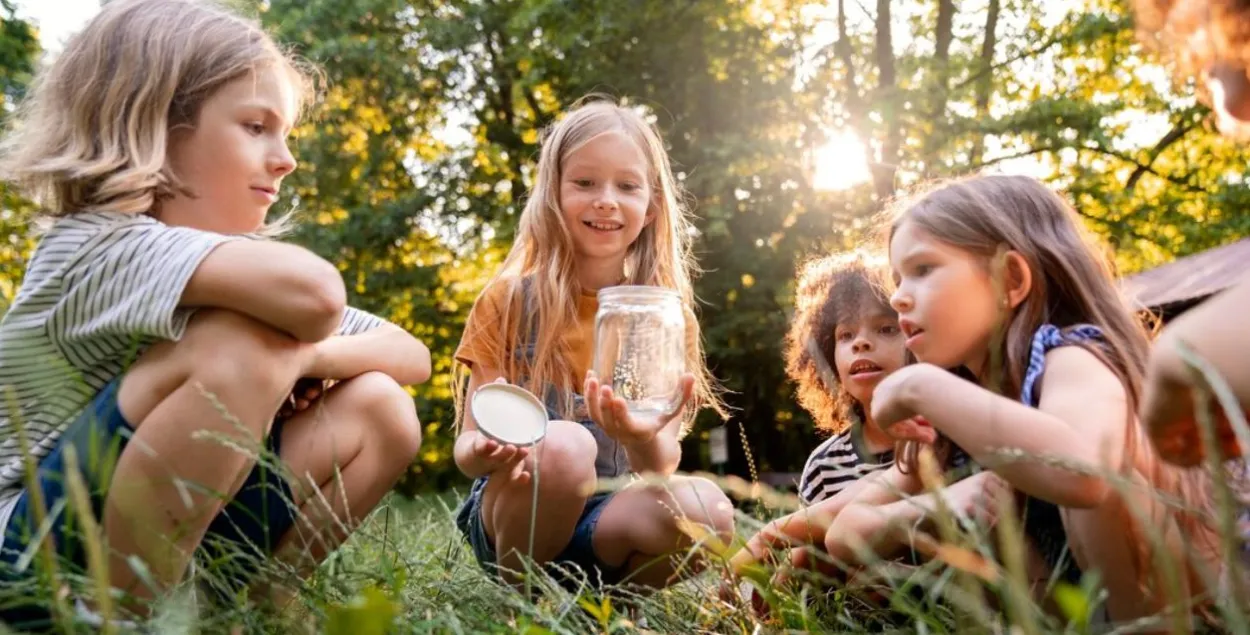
[[407, 570]]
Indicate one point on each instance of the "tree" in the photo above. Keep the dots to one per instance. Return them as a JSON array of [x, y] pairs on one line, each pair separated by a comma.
[[416, 163], [19, 51]]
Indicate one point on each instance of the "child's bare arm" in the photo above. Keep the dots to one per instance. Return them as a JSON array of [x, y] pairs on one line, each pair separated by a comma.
[[283, 285], [803, 527], [386, 349], [1082, 419], [1216, 331], [885, 528]]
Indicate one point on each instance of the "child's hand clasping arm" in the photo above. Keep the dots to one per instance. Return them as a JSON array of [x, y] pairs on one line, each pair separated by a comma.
[[386, 349]]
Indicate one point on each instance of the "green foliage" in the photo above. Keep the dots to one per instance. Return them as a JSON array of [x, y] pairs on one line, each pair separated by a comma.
[[416, 160], [743, 91], [19, 50]]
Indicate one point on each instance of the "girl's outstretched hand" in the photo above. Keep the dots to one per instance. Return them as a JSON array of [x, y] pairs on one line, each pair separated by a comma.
[[503, 458], [612, 414], [892, 410]]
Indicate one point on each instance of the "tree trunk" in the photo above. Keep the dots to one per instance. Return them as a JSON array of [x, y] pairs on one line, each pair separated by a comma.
[[984, 85], [884, 170]]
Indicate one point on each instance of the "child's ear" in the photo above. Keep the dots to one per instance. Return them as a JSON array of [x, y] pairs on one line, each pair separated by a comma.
[[1017, 278]]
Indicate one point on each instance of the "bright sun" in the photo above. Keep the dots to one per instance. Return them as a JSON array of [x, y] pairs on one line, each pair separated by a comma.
[[841, 163]]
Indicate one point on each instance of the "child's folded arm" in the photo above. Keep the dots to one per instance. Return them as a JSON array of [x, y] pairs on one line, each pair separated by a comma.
[[283, 285], [1081, 419], [386, 348], [875, 527]]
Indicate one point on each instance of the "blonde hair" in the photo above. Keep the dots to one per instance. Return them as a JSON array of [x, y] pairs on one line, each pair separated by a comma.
[[543, 254], [94, 132], [1073, 283]]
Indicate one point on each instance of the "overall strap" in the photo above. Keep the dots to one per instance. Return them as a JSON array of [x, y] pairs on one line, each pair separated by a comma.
[[1048, 337]]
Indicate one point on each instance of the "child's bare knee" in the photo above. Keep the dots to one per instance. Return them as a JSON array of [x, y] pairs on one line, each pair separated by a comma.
[[392, 413], [225, 346], [566, 456], [701, 501]]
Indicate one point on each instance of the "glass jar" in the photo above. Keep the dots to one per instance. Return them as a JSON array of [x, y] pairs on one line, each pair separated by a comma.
[[640, 347]]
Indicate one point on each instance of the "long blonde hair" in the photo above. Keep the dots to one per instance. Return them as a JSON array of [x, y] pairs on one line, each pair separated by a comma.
[[543, 255], [1073, 283], [94, 132]]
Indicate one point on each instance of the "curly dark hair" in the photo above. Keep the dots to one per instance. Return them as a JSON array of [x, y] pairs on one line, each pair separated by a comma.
[[830, 290], [1196, 34]]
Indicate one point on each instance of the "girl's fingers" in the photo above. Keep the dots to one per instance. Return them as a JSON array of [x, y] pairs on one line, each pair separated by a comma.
[[593, 405], [607, 417], [620, 412], [517, 472], [485, 447]]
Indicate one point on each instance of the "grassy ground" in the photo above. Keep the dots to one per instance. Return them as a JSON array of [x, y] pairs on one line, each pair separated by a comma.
[[407, 570]]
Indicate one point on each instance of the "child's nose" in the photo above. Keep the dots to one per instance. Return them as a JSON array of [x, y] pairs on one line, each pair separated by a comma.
[[282, 162], [900, 301], [861, 345], [605, 201]]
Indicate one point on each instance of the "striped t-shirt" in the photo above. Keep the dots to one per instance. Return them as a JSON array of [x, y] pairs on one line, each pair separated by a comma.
[[835, 464], [98, 290]]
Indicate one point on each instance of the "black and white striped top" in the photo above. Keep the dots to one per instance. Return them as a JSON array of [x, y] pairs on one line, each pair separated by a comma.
[[835, 464], [99, 288]]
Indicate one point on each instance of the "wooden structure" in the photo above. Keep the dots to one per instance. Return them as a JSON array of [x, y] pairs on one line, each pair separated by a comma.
[[1172, 288]]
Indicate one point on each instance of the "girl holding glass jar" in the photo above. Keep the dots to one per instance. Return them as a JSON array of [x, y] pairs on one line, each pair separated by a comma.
[[602, 228]]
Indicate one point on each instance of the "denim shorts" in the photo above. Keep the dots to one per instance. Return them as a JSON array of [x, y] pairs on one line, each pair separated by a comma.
[[245, 531], [579, 553]]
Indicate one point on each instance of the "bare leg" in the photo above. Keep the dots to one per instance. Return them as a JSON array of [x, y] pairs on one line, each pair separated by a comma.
[[1097, 539], [639, 527], [347, 451], [566, 476], [169, 484]]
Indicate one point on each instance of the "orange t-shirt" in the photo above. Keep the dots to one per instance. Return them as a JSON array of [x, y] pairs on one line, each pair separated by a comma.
[[483, 333]]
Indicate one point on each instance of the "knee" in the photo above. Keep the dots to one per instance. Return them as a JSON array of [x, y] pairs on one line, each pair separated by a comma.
[[224, 347], [566, 456], [702, 501], [391, 414]]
